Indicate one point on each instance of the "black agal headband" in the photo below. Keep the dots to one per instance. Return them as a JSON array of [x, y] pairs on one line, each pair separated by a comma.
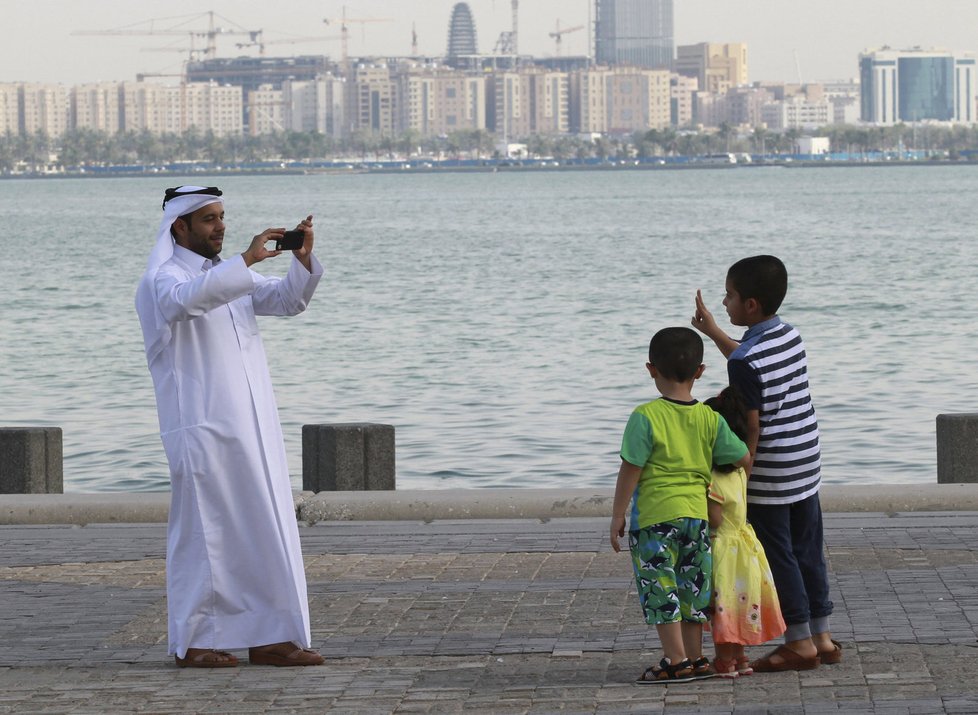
[[179, 191]]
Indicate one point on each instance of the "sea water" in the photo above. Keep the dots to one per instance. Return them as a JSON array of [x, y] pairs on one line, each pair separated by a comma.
[[500, 321]]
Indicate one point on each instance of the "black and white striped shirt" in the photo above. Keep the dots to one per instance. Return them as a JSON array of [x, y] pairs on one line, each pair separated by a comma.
[[771, 371]]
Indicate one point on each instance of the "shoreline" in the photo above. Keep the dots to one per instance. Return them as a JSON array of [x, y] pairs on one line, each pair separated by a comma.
[[441, 505], [533, 165]]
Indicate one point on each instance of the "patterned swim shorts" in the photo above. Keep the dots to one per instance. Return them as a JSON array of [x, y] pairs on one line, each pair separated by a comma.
[[673, 570]]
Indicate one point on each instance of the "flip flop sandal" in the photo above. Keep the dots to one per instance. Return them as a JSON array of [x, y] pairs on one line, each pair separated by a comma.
[[665, 672], [832, 657], [207, 659], [789, 661]]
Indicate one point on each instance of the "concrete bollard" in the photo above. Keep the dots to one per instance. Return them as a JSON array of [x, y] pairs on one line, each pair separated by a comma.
[[957, 448], [31, 460], [347, 457]]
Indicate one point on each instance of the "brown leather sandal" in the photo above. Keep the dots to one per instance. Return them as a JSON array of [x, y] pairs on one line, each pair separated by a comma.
[[832, 657], [206, 658], [787, 660], [284, 655]]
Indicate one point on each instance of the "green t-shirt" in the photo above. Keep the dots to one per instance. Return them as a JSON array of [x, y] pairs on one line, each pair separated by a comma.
[[675, 444]]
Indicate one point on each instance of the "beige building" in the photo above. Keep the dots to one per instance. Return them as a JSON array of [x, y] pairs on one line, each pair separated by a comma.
[[373, 103], [621, 100], [717, 67], [96, 106], [435, 102], [682, 90], [315, 105], [266, 111], [9, 108], [205, 106], [531, 101], [214, 108], [797, 112], [44, 108]]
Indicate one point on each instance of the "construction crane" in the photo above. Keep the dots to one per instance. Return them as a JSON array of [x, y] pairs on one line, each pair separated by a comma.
[[345, 31], [508, 42], [559, 33], [210, 33], [285, 40]]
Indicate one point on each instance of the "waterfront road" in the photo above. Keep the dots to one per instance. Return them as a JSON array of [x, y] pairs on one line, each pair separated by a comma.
[[496, 615]]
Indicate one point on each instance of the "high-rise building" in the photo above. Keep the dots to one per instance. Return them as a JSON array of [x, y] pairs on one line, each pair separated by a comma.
[[461, 34], [634, 32], [916, 85], [717, 67]]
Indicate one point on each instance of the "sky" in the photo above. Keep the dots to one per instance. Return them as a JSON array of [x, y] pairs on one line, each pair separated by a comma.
[[788, 40]]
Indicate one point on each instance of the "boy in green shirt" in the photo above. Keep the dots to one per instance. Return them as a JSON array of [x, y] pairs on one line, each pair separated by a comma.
[[667, 454]]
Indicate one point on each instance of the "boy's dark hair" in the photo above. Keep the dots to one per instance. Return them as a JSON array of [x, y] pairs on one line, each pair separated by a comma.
[[676, 353], [763, 278], [730, 405]]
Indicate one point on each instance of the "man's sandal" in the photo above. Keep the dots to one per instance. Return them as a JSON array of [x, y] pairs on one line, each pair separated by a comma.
[[787, 659], [665, 672], [284, 655], [206, 658], [831, 657]]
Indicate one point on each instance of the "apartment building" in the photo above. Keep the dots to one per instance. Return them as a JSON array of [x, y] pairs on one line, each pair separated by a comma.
[[265, 111], [96, 106], [437, 101], [620, 100], [798, 112], [682, 91], [373, 104], [43, 108], [530, 101], [9, 108]]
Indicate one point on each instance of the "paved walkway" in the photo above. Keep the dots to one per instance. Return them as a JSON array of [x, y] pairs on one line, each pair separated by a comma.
[[502, 616]]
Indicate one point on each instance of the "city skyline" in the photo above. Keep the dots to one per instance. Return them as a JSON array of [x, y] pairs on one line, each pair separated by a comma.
[[807, 42]]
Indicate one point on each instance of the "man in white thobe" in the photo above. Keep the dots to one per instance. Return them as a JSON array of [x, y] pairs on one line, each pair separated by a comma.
[[234, 571]]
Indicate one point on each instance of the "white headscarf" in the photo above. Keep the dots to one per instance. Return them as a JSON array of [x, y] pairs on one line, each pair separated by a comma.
[[156, 331]]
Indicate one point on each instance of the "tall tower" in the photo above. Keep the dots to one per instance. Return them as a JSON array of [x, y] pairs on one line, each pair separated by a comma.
[[634, 32], [461, 33]]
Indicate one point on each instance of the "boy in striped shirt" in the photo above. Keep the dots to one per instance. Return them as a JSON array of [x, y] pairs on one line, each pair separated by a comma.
[[769, 367]]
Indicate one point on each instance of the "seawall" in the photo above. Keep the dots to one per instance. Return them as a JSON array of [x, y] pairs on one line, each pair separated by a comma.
[[431, 505]]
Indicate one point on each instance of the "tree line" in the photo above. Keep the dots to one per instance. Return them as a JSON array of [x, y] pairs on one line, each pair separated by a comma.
[[86, 147]]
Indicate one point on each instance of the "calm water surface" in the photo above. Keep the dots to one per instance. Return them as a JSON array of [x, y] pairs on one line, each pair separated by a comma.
[[500, 321]]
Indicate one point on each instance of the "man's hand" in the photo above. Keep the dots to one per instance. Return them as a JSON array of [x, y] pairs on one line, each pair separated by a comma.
[[256, 252], [303, 253]]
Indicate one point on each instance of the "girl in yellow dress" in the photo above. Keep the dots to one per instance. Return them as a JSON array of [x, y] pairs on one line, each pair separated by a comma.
[[746, 609]]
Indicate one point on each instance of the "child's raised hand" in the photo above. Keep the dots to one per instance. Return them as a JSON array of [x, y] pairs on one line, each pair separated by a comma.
[[703, 319]]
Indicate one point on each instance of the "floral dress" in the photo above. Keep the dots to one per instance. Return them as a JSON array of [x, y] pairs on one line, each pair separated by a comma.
[[746, 608]]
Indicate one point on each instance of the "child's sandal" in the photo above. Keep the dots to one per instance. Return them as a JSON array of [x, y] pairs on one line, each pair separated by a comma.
[[666, 672], [743, 666], [702, 668], [726, 668]]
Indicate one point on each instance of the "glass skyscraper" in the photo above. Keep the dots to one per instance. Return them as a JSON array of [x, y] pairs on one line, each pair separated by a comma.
[[917, 85], [634, 32]]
